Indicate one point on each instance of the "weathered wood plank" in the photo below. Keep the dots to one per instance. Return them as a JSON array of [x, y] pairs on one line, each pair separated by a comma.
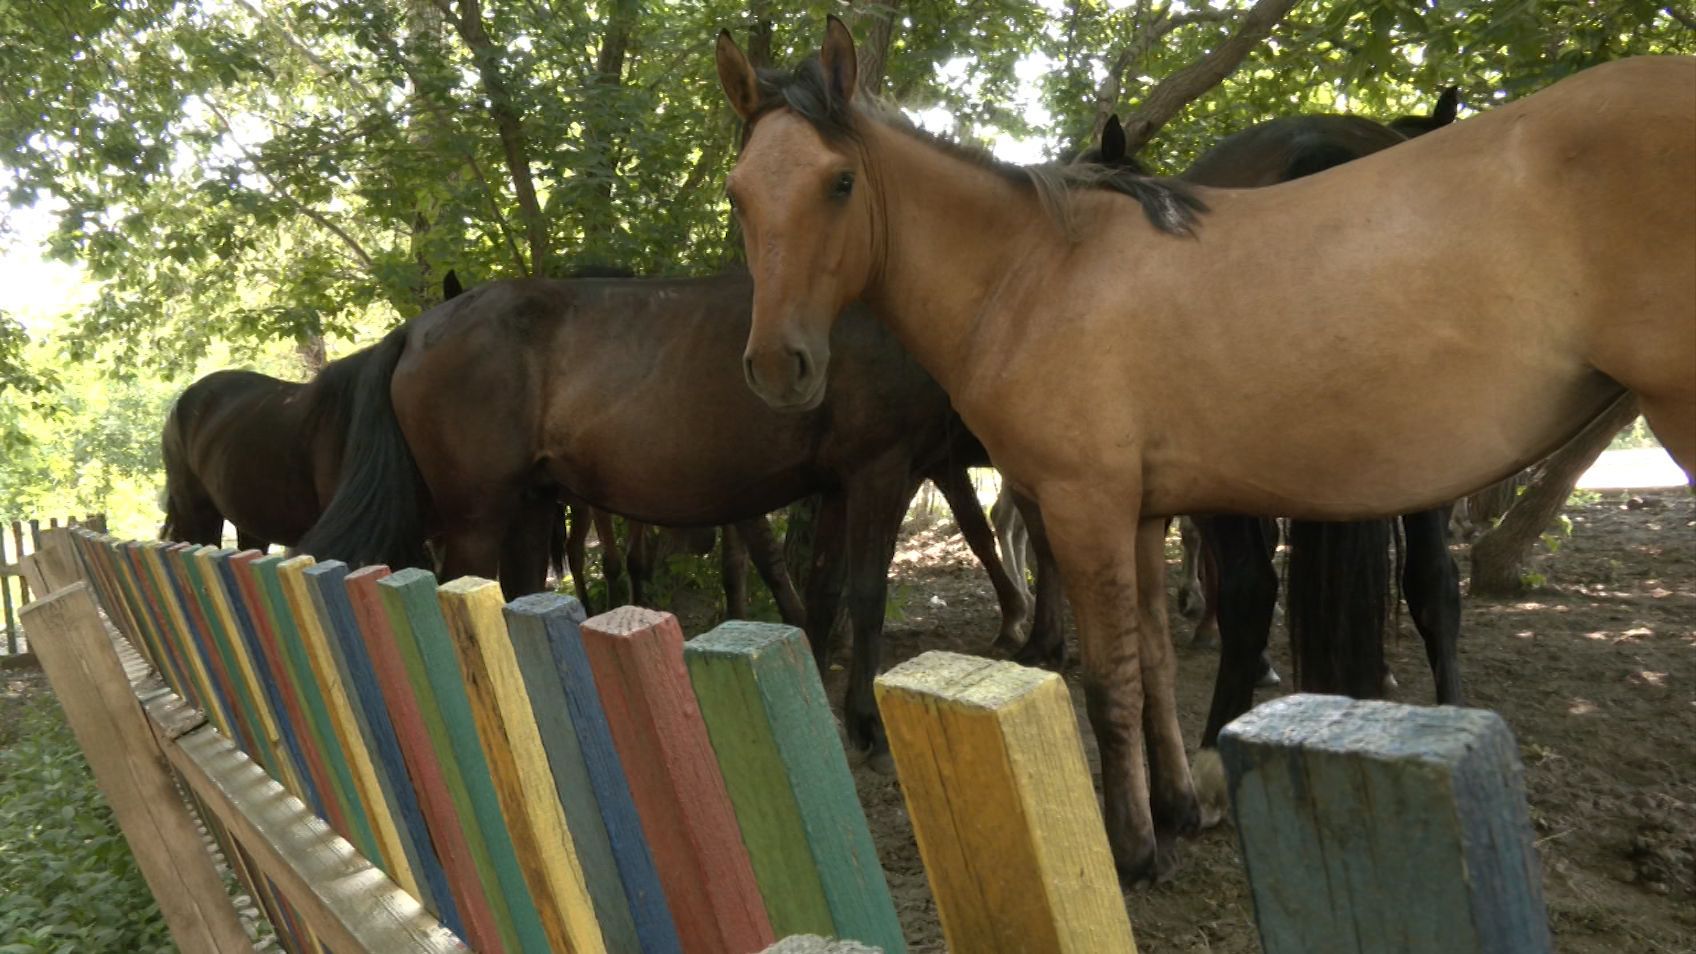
[[412, 713], [342, 899], [235, 574], [389, 856], [199, 571], [518, 765], [629, 900], [783, 764], [637, 658], [77, 655], [326, 583], [1002, 806], [1372, 826], [420, 631]]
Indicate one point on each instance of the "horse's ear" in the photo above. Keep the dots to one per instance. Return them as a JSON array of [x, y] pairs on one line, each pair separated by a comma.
[[1447, 106], [451, 286], [841, 67], [1112, 141], [736, 76]]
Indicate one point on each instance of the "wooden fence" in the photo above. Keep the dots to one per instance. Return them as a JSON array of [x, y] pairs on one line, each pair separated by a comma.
[[24, 539], [391, 765]]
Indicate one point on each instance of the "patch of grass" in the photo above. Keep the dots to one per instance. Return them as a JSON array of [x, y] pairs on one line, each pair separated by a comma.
[[68, 882]]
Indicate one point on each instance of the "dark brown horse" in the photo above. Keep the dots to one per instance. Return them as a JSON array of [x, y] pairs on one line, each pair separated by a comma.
[[262, 453], [628, 394]]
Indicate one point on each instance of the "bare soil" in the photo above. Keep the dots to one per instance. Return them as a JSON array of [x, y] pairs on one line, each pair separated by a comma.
[[1595, 671]]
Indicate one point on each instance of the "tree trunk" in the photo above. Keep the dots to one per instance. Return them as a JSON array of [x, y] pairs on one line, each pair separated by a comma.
[[1184, 86], [876, 23], [1499, 556], [469, 23]]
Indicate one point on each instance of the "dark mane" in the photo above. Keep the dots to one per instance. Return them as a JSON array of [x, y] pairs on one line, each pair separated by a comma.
[[1171, 206]]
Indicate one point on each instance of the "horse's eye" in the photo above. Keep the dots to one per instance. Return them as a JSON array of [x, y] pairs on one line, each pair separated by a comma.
[[843, 186]]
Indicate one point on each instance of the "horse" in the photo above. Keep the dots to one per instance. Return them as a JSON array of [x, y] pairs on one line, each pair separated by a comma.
[[263, 453], [1377, 339], [627, 395], [1339, 572]]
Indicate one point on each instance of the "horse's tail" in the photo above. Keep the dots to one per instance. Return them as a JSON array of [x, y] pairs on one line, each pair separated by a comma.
[[377, 514], [1339, 598]]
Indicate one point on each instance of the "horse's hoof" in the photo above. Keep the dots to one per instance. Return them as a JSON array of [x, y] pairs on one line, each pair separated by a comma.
[[1390, 683], [1208, 773], [1010, 638], [880, 761], [1140, 864], [1034, 653], [1206, 637], [1269, 679]]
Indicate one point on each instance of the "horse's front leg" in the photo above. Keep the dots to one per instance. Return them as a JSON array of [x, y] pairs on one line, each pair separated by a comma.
[[1095, 543]]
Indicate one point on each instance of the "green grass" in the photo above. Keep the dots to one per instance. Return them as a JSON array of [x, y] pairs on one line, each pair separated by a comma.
[[68, 882]]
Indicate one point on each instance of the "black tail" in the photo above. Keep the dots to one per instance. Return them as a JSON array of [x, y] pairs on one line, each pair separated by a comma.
[[377, 513], [1339, 599]]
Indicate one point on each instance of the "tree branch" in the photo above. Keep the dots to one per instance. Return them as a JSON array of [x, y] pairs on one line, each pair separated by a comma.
[[1183, 87], [277, 188], [876, 22], [1156, 28], [469, 25]]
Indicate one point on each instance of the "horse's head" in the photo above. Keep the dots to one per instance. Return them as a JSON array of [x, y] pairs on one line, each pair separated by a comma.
[[804, 202], [1448, 106]]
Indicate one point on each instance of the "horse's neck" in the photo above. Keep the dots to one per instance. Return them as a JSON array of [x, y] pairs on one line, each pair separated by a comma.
[[956, 233]]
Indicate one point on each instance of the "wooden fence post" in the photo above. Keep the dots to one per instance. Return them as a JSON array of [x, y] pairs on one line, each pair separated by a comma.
[[637, 658], [1376, 827], [66, 632], [782, 761], [1003, 807]]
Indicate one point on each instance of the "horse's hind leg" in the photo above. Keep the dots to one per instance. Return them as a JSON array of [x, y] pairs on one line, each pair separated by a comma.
[[1431, 586], [876, 502], [767, 557], [576, 541], [524, 549], [248, 541], [1674, 424], [1046, 644], [1247, 593], [956, 486], [733, 572], [1010, 533], [612, 560]]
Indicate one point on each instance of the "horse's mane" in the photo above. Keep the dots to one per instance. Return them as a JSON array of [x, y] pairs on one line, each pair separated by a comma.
[[1171, 206]]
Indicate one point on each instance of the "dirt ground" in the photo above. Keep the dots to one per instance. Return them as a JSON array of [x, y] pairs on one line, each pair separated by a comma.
[[1595, 672]]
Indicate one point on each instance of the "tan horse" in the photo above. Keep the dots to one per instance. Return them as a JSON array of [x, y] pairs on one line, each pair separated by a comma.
[[1373, 340]]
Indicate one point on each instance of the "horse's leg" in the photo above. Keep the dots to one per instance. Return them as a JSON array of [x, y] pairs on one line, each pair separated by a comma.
[[1095, 542], [524, 549], [1171, 792], [1206, 635], [576, 542], [1010, 534], [1674, 423], [733, 572], [1190, 601], [247, 541], [826, 575], [956, 486], [473, 549], [1431, 586], [1046, 644], [877, 500], [612, 561], [1247, 591], [767, 557], [638, 559]]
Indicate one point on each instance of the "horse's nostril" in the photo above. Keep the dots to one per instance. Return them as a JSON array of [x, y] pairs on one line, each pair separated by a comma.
[[748, 369], [803, 366]]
